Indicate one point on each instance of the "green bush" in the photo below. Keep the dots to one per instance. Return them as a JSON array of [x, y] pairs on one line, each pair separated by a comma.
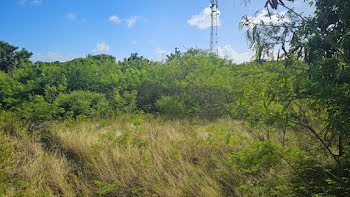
[[258, 158], [37, 109], [9, 122], [82, 104], [171, 106], [10, 90], [259, 163], [125, 103]]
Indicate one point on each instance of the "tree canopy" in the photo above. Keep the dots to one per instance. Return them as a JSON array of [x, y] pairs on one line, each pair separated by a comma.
[[10, 57]]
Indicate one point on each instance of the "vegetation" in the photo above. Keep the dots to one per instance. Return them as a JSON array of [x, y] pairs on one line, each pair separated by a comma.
[[192, 125]]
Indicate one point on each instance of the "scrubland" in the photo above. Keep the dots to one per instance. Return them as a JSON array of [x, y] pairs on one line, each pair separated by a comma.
[[140, 155], [194, 124]]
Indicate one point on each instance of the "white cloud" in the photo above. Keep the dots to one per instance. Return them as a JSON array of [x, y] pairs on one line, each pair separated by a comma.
[[74, 17], [33, 2], [54, 56], [114, 19], [37, 2], [229, 53], [134, 42], [102, 47], [265, 19], [131, 21], [160, 51], [71, 16], [203, 20], [22, 2]]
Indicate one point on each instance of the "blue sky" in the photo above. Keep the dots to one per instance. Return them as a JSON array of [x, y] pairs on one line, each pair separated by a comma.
[[65, 29]]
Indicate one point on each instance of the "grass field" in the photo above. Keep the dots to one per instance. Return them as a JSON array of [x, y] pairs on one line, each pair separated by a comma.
[[143, 156]]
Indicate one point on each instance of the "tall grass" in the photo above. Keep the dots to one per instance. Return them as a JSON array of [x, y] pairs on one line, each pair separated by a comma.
[[140, 157]]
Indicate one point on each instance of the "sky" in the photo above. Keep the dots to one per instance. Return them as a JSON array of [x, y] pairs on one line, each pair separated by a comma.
[[61, 30]]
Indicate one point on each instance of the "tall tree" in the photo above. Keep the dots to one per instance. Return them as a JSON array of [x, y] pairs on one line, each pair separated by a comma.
[[10, 57], [322, 40]]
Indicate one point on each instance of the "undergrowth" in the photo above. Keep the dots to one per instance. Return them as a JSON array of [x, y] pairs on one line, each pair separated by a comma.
[[139, 155]]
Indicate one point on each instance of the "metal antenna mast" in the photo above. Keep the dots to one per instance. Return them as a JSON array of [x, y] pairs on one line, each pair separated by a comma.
[[214, 48]]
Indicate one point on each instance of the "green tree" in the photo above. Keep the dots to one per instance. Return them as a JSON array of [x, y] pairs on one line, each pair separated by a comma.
[[10, 57], [322, 41]]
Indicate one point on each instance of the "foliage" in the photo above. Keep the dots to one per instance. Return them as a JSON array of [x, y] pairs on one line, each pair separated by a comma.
[[9, 122], [125, 103], [10, 58], [322, 94], [258, 161], [170, 106], [37, 109], [82, 104], [322, 42], [9, 91]]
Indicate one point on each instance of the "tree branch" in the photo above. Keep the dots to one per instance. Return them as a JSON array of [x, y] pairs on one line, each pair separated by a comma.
[[305, 123]]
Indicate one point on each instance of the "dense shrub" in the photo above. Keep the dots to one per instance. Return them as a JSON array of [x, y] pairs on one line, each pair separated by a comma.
[[10, 91], [171, 106], [37, 109], [82, 104], [125, 103], [202, 83], [9, 122]]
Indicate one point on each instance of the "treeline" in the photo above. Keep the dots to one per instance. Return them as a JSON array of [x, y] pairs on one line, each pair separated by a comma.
[[191, 84], [194, 83]]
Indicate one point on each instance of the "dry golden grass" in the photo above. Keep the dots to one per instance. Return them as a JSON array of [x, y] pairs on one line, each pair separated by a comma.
[[152, 158], [133, 156]]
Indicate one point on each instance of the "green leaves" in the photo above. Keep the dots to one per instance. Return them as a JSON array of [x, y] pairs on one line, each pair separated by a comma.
[[10, 91], [82, 104], [37, 109], [261, 156], [172, 106], [105, 189], [125, 103], [10, 58]]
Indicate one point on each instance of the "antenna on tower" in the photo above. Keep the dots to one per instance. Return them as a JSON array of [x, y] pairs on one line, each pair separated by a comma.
[[214, 44]]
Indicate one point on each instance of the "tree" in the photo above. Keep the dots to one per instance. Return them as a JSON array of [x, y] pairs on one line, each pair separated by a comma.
[[10, 57], [323, 42]]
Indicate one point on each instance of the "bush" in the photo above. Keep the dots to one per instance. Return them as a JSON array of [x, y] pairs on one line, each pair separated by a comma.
[[125, 103], [9, 122], [170, 106], [259, 163], [258, 158], [9, 91], [37, 109], [82, 104]]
